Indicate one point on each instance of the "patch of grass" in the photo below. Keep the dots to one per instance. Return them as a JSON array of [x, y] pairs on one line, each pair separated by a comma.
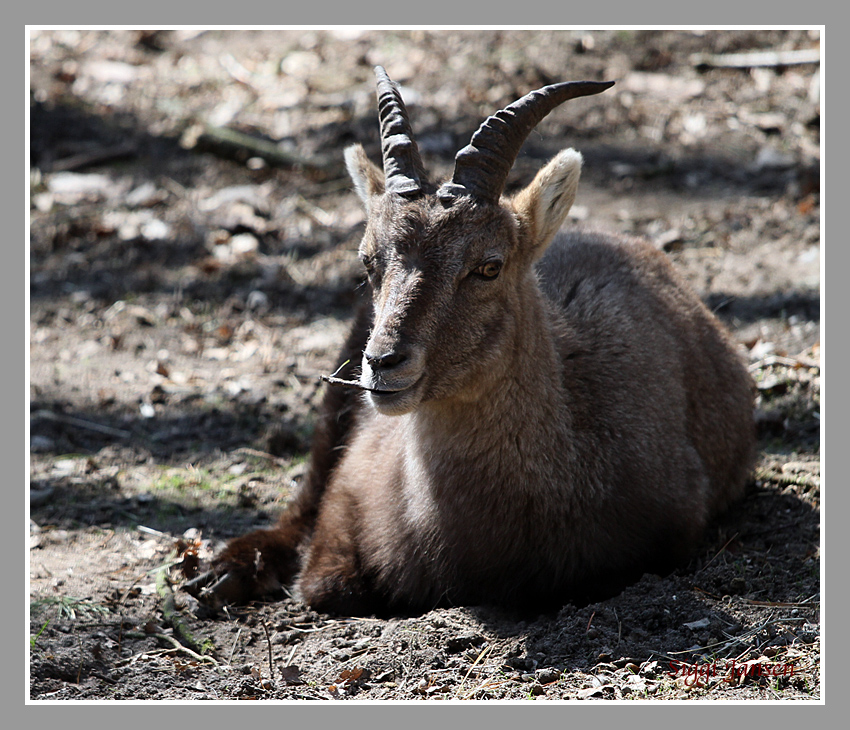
[[34, 639], [68, 607], [299, 459], [182, 480], [167, 510], [207, 646]]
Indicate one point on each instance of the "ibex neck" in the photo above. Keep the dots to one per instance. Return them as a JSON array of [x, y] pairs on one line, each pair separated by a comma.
[[514, 404]]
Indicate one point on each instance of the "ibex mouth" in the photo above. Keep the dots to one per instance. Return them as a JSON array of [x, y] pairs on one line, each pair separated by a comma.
[[395, 400], [387, 393], [383, 388]]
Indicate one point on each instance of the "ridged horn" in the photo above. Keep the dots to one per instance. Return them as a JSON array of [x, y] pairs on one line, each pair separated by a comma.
[[482, 167], [403, 170]]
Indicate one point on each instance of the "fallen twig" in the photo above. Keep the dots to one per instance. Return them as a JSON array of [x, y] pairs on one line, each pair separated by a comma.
[[791, 362], [232, 140], [314, 212], [781, 604], [784, 479], [130, 660], [483, 653], [178, 647], [95, 157], [716, 554], [173, 616], [271, 657], [239, 73], [757, 58], [104, 677], [233, 648], [488, 684], [80, 669], [261, 454], [80, 423], [733, 640], [291, 655]]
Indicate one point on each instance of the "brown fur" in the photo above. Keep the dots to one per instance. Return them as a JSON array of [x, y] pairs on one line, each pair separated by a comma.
[[558, 429]]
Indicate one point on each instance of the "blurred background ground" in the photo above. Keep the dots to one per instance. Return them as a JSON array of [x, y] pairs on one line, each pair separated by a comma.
[[192, 271]]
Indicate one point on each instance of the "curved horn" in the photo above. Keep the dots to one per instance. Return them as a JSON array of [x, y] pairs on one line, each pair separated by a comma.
[[403, 170], [482, 167]]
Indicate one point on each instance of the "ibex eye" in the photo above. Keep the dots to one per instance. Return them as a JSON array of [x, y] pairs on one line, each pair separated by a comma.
[[369, 264], [489, 269]]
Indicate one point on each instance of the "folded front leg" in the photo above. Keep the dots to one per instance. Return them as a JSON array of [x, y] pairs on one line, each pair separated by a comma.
[[253, 566]]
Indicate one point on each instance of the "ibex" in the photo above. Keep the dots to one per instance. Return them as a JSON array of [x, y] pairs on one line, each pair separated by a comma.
[[542, 416]]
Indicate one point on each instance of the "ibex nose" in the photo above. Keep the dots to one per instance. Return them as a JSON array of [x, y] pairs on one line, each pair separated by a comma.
[[386, 361]]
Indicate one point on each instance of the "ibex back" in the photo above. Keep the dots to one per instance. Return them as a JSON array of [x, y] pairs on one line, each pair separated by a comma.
[[541, 416]]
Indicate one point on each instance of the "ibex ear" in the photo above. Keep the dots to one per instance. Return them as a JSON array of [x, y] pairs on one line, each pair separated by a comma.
[[367, 177], [543, 205]]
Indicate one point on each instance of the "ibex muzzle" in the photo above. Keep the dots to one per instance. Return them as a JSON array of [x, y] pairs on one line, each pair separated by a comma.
[[393, 363], [548, 414]]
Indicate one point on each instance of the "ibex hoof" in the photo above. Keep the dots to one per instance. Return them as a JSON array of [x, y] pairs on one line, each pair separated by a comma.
[[213, 589]]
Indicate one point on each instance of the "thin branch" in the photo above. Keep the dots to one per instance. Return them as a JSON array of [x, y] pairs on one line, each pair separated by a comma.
[[233, 648], [792, 362], [353, 384], [261, 454], [80, 423], [178, 647], [94, 157], [782, 604], [172, 614], [783, 479], [271, 658], [291, 655], [727, 644], [474, 664], [716, 554], [224, 138], [757, 58], [343, 383]]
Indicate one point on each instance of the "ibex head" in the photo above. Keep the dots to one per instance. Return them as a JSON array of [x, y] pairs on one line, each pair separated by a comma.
[[450, 267]]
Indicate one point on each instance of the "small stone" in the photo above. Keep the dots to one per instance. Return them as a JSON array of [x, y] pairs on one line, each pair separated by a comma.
[[257, 300], [64, 467], [459, 643], [285, 637], [243, 243], [702, 623], [548, 675], [737, 586], [40, 497], [155, 230], [40, 444]]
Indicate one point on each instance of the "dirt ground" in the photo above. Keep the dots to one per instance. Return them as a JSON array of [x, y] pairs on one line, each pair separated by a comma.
[[188, 288]]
